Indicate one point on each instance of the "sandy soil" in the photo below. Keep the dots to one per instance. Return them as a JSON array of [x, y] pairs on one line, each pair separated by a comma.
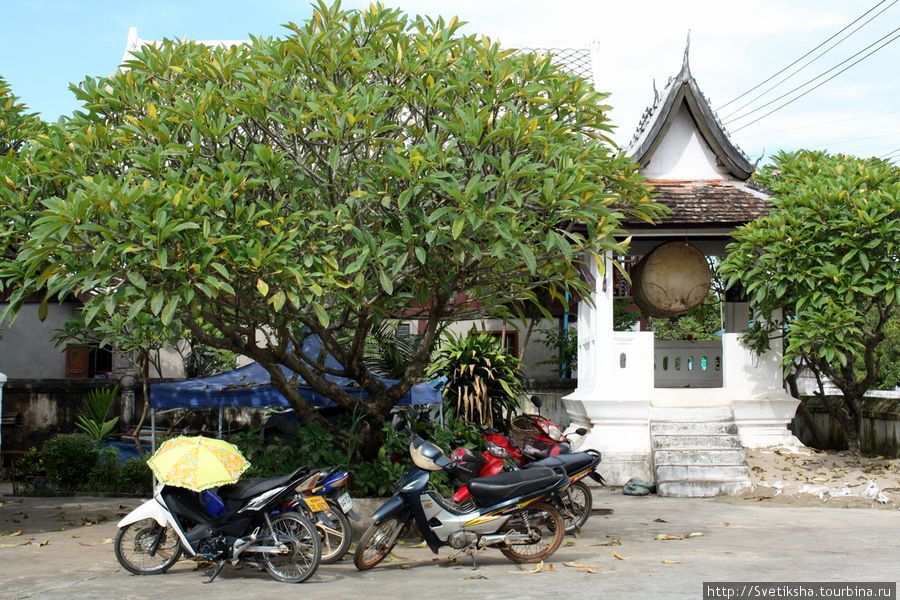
[[806, 477]]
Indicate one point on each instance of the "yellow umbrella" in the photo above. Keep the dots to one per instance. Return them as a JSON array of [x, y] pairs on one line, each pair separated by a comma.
[[197, 463]]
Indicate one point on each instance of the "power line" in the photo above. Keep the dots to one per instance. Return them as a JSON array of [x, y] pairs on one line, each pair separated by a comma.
[[821, 124], [765, 81], [811, 61], [795, 98], [890, 154]]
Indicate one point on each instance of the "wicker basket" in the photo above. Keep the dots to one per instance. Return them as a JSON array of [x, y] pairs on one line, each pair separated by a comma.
[[522, 428]]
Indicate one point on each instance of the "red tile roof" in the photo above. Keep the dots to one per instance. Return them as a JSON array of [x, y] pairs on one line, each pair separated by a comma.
[[706, 203]]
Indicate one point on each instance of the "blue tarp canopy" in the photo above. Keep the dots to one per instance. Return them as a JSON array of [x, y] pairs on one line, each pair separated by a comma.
[[251, 385]]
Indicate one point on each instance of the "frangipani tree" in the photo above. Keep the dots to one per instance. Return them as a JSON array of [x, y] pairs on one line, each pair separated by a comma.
[[823, 269], [367, 166]]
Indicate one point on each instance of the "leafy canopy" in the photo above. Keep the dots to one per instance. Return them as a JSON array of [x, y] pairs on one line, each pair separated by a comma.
[[828, 258], [368, 165]]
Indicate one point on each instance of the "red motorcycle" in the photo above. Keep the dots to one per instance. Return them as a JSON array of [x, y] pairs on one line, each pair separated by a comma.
[[548, 448]]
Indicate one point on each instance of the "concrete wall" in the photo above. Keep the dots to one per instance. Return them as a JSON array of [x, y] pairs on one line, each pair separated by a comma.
[[26, 349], [880, 430]]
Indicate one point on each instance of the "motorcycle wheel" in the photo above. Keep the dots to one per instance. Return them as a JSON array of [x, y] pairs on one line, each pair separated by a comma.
[[304, 550], [335, 538], [579, 503], [377, 542], [135, 543], [545, 528]]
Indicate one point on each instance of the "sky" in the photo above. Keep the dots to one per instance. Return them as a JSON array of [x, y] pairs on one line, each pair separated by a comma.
[[47, 44]]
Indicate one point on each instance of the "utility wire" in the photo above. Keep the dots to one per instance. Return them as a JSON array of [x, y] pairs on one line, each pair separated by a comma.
[[890, 154], [809, 62], [795, 98], [821, 124], [765, 81]]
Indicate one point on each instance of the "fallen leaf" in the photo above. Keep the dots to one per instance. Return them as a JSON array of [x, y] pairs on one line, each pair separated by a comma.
[[660, 521], [694, 534], [14, 545], [672, 562], [820, 479], [551, 566], [13, 534], [668, 537], [45, 542], [396, 557], [569, 543], [13, 521], [107, 541], [596, 571], [620, 557], [726, 523], [537, 569], [576, 565], [472, 577], [83, 544], [405, 567], [612, 542]]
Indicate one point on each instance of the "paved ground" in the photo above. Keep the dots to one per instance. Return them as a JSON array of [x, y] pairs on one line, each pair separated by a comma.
[[62, 548]]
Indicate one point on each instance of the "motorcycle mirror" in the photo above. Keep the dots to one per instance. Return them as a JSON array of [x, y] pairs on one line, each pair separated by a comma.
[[581, 431], [536, 401]]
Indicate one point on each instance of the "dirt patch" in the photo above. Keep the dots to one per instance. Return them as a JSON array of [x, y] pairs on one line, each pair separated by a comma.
[[807, 477]]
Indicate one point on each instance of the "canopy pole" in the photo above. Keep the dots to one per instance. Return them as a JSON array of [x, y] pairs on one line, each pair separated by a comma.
[[221, 414], [152, 442]]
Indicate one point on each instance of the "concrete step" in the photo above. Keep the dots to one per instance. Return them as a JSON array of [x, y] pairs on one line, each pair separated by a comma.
[[695, 472], [702, 489], [692, 428], [685, 415], [665, 441], [701, 457]]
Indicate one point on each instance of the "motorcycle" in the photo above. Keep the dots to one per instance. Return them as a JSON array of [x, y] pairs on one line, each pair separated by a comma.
[[260, 522], [331, 509], [550, 448], [510, 512]]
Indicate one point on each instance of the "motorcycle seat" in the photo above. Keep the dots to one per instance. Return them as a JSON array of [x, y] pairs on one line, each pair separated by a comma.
[[487, 491], [572, 463], [244, 490]]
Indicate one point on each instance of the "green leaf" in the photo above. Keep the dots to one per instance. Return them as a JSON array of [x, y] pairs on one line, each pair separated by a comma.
[[262, 287], [386, 284], [138, 280]]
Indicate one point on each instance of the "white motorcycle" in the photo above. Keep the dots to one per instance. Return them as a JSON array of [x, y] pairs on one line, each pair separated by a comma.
[[259, 522]]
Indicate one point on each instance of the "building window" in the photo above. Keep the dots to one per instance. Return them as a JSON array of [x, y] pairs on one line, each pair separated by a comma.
[[85, 362], [509, 340]]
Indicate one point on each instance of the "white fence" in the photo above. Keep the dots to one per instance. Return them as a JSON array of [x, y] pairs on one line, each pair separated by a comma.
[[687, 364]]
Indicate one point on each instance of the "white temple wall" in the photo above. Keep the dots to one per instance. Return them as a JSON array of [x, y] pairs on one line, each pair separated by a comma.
[[682, 153]]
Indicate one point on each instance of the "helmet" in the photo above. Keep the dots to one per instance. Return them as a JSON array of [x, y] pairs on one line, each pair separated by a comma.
[[427, 456]]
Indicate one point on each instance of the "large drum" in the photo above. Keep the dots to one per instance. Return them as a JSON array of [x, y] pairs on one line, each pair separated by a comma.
[[671, 280]]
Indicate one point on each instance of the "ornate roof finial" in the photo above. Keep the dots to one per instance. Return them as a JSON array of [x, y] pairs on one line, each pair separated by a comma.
[[685, 65]]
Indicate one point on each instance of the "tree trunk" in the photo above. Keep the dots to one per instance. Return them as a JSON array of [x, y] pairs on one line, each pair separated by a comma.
[[815, 433]]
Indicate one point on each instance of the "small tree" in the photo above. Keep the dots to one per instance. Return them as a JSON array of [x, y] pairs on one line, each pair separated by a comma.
[[823, 269], [485, 382], [368, 166]]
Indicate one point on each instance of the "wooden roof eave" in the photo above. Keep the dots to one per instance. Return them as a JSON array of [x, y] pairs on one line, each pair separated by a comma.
[[684, 89]]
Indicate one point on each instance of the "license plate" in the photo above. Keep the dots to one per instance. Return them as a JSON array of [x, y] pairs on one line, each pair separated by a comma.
[[316, 503], [346, 502]]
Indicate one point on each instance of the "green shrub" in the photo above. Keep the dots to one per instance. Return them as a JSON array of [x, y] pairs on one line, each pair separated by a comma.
[[135, 477], [69, 459], [104, 477], [484, 383], [29, 465]]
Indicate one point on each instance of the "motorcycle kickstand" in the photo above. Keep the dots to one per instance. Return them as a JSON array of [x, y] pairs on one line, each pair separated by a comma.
[[470, 550], [219, 566]]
